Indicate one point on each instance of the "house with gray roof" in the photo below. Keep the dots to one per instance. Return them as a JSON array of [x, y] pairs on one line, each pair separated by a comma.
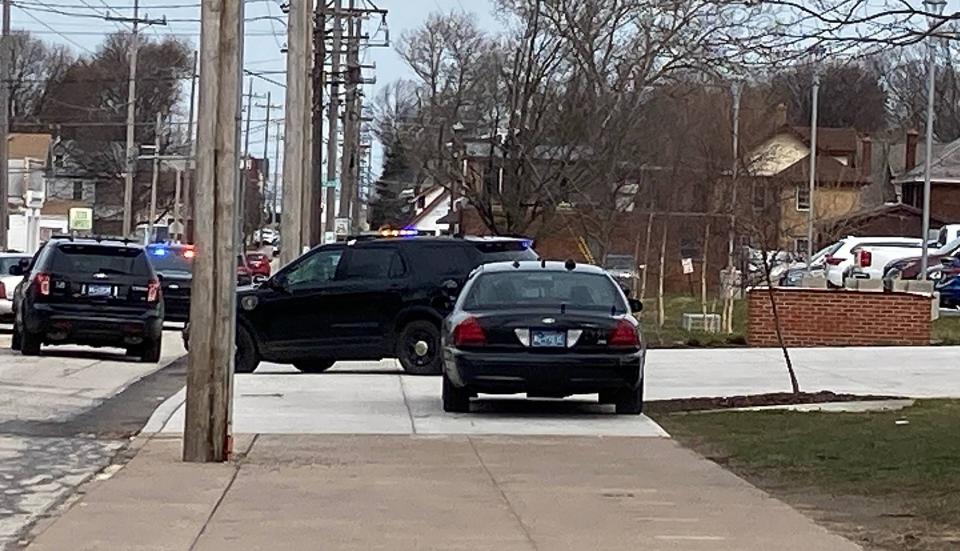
[[945, 183]]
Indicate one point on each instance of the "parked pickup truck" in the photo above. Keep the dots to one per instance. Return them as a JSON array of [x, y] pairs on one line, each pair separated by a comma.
[[866, 257]]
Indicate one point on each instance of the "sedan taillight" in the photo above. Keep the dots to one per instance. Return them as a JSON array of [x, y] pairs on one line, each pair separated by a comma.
[[624, 335], [153, 291], [469, 333], [43, 284]]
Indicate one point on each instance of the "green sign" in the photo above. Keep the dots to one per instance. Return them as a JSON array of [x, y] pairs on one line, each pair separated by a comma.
[[332, 183], [81, 219]]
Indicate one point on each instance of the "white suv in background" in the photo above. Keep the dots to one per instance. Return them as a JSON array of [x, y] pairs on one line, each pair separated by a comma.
[[866, 257]]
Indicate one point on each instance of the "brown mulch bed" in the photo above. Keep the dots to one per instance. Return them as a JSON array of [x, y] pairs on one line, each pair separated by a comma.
[[755, 400]]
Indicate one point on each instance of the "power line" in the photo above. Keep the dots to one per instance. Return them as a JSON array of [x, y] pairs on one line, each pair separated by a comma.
[[55, 31]]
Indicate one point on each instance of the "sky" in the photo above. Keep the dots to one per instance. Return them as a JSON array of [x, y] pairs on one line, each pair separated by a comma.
[[79, 24]]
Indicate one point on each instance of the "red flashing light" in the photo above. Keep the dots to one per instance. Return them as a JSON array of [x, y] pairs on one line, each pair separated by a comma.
[[43, 284]]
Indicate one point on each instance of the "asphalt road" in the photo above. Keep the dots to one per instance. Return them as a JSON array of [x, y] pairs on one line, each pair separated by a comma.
[[58, 426]]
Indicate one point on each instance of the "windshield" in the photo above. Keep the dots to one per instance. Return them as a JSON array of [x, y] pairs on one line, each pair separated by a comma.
[[8, 262], [166, 259], [619, 262], [91, 259], [573, 290]]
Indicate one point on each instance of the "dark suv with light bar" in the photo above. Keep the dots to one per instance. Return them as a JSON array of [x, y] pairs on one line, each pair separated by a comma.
[[95, 292], [365, 299]]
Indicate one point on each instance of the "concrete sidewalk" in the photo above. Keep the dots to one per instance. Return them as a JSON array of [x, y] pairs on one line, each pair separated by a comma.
[[407, 492]]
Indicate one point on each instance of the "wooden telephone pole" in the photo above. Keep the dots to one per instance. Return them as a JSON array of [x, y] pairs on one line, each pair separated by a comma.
[[213, 321], [6, 64], [291, 225]]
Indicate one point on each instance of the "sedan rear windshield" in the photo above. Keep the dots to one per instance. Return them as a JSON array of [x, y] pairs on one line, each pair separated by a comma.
[[506, 251], [528, 288], [92, 259]]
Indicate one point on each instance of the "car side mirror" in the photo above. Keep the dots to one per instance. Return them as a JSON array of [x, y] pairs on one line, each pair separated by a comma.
[[277, 283], [16, 270], [627, 291], [635, 305], [948, 260]]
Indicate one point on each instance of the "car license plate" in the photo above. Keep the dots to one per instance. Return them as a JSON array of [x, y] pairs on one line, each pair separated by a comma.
[[548, 339], [99, 290]]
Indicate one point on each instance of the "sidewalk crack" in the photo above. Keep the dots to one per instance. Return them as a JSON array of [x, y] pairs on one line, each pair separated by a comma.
[[503, 496], [406, 403], [223, 495]]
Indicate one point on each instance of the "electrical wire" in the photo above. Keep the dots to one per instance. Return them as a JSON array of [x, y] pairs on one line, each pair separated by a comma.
[[55, 31]]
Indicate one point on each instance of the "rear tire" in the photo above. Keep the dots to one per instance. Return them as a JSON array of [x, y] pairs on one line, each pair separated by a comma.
[[29, 343], [150, 351], [246, 358], [455, 400], [313, 366], [414, 363], [15, 339], [630, 401]]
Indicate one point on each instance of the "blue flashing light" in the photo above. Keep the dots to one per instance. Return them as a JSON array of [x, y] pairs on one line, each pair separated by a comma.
[[158, 251]]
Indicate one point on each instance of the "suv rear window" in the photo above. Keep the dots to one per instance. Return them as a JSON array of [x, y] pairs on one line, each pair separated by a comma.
[[174, 259], [91, 259], [500, 251], [581, 291]]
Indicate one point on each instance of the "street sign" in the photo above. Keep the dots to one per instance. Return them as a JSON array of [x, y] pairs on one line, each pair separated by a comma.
[[80, 219], [342, 226], [332, 183], [175, 228], [687, 264], [35, 199], [329, 237]]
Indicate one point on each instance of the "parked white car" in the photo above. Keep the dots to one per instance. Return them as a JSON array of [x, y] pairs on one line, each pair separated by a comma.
[[866, 257], [8, 283]]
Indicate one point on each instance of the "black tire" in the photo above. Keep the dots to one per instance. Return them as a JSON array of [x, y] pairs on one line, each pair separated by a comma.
[[29, 343], [150, 350], [246, 358], [313, 366], [455, 400], [406, 348], [608, 397], [630, 401], [16, 338]]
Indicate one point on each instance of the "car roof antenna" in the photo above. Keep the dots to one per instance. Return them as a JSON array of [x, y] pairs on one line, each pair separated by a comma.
[[543, 262], [570, 264], [516, 263], [563, 307]]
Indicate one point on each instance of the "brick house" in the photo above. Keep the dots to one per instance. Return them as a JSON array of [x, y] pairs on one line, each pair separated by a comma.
[[945, 182]]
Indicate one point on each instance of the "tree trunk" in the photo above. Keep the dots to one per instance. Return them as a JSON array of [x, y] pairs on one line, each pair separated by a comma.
[[794, 384], [661, 314], [646, 258], [636, 262]]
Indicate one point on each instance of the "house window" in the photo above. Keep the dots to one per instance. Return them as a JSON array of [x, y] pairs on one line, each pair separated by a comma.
[[58, 161], [759, 196], [801, 246], [803, 197], [78, 191]]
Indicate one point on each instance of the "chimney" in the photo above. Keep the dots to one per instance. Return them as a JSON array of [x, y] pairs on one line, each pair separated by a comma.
[[866, 157], [780, 117], [910, 156]]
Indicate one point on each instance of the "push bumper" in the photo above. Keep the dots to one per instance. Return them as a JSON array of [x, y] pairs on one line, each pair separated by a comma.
[[495, 373]]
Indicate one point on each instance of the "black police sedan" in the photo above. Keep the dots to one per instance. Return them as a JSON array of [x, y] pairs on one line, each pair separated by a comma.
[[173, 263], [95, 292], [547, 329]]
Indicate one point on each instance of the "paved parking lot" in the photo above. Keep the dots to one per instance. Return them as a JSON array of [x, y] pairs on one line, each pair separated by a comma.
[[375, 398]]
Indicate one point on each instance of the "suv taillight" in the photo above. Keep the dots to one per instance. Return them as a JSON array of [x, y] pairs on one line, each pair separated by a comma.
[[3, 290], [624, 335], [864, 258], [43, 284], [469, 333], [153, 290]]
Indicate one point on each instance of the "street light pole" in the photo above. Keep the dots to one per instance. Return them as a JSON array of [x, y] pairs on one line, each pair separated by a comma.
[[934, 9], [814, 114]]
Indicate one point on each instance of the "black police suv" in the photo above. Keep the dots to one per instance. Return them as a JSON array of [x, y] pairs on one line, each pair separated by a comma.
[[362, 300], [173, 263], [95, 292], [547, 329]]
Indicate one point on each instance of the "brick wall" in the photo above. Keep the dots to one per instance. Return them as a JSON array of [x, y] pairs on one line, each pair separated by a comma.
[[817, 317]]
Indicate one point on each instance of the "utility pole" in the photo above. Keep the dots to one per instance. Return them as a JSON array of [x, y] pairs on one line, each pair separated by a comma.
[[356, 153], [212, 331], [192, 152], [177, 197], [308, 192], [811, 190], [296, 104], [316, 171], [246, 164], [276, 177], [132, 110], [333, 118], [266, 146], [6, 63], [156, 175], [348, 161]]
